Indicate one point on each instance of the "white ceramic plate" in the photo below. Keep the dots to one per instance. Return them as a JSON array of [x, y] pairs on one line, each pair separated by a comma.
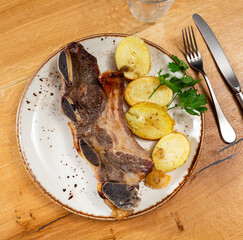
[[46, 143]]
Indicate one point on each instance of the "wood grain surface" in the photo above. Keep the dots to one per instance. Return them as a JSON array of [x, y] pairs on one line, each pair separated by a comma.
[[209, 206]]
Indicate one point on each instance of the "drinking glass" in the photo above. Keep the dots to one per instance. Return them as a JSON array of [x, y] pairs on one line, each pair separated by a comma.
[[149, 11]]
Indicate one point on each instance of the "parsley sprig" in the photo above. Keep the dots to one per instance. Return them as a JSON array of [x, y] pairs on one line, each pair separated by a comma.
[[190, 99]]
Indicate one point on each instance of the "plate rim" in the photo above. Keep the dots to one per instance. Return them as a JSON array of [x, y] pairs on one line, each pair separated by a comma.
[[70, 209]]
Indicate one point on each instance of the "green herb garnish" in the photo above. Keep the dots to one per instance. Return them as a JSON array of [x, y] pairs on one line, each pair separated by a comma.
[[190, 99], [178, 65]]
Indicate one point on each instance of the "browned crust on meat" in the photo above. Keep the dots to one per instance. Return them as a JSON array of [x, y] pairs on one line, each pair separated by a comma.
[[112, 82], [120, 164]]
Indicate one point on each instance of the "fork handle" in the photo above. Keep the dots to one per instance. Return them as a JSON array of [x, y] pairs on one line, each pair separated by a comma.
[[239, 96], [226, 130]]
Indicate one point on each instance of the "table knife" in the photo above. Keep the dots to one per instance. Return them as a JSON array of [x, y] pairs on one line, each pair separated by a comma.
[[219, 56]]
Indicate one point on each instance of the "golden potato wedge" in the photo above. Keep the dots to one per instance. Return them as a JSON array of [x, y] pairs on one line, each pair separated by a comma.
[[140, 90], [157, 179], [171, 152], [132, 57], [149, 120]]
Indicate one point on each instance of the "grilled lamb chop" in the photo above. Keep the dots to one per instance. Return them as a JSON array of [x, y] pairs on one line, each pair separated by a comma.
[[94, 106]]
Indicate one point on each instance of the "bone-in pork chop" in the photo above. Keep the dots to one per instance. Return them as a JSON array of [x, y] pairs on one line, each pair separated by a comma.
[[94, 105]]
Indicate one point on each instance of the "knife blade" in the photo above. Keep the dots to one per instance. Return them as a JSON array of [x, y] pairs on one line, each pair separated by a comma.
[[219, 56]]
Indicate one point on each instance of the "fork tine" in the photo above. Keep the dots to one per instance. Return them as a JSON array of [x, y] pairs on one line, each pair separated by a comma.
[[188, 45], [195, 43], [184, 43], [192, 45]]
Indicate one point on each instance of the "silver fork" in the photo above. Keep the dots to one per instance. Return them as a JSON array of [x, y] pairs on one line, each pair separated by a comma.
[[195, 61]]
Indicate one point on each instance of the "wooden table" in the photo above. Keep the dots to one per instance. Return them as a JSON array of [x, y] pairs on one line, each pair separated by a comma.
[[209, 206]]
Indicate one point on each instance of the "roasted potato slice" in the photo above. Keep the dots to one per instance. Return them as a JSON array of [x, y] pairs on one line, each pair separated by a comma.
[[140, 90], [132, 57], [149, 120], [171, 152], [157, 179]]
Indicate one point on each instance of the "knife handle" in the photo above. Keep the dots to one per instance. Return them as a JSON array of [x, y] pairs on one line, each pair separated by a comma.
[[239, 96], [225, 129]]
